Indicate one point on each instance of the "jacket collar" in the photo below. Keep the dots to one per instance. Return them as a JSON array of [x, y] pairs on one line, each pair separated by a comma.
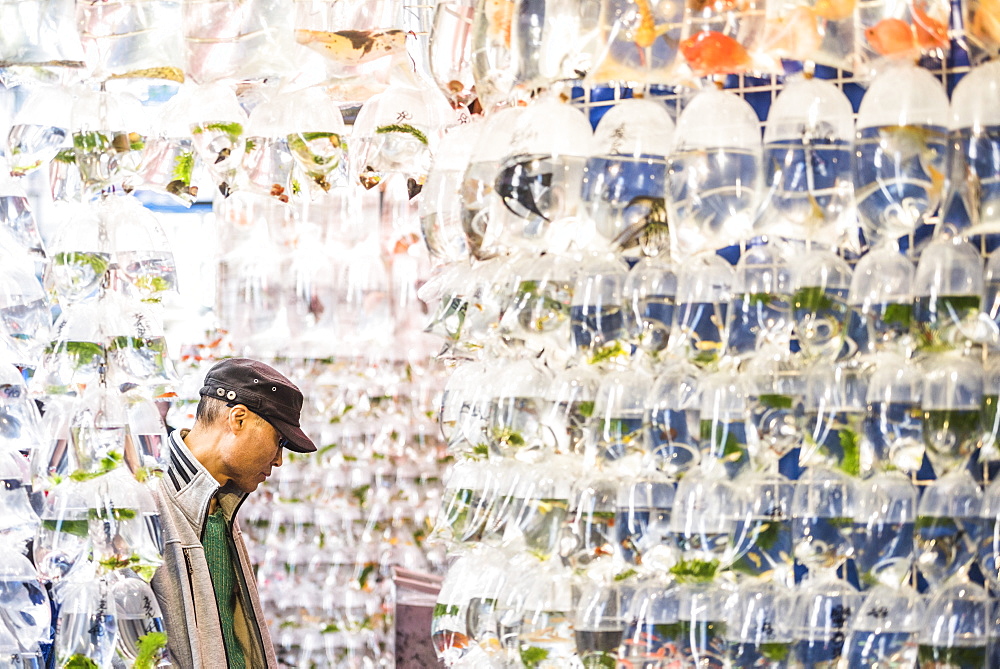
[[193, 487]]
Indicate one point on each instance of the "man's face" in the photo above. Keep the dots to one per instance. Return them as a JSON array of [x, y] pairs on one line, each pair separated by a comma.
[[257, 451]]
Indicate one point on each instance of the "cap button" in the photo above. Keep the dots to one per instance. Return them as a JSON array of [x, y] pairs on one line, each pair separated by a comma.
[[231, 395], [220, 392], [274, 389]]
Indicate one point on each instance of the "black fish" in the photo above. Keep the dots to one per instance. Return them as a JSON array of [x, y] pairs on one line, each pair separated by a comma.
[[522, 187], [648, 224], [413, 187]]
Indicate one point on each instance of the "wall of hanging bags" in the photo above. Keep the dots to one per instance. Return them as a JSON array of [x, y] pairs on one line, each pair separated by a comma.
[[722, 400], [660, 446]]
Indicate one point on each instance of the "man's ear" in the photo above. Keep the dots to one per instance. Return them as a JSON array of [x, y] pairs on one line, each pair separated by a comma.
[[239, 417]]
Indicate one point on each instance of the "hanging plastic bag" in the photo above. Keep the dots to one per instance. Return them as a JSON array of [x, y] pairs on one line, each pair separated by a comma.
[[236, 40], [267, 162], [109, 136], [124, 525], [395, 132], [97, 431], [137, 348], [810, 31], [87, 628], [901, 152], [981, 22], [217, 125], [317, 138], [20, 421], [491, 56], [622, 190], [902, 30], [478, 193], [39, 129], [168, 163], [53, 460], [39, 36], [721, 38], [552, 41], [142, 635], [18, 522], [441, 204], [450, 50], [540, 177], [146, 441], [76, 353], [637, 42], [808, 191], [713, 174], [357, 38], [140, 39], [81, 254], [63, 533], [25, 311], [140, 247], [26, 610], [16, 219]]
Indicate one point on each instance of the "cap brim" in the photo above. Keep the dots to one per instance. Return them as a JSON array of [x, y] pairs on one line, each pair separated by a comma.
[[297, 439]]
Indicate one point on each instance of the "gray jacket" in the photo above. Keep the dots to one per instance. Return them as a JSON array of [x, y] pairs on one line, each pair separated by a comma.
[[183, 585]]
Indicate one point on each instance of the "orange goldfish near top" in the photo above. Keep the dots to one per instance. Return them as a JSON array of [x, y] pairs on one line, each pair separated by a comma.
[[891, 37], [985, 22], [932, 33], [895, 37], [710, 52]]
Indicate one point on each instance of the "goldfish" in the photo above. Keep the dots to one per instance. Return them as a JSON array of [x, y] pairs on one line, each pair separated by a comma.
[[931, 33], [834, 10], [353, 47], [985, 23], [711, 52], [169, 73], [499, 15], [404, 243], [645, 34], [905, 142], [891, 37]]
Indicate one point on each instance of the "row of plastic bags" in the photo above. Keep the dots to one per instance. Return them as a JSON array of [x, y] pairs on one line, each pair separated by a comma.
[[536, 179], [98, 616], [205, 41], [491, 46], [293, 141], [540, 615]]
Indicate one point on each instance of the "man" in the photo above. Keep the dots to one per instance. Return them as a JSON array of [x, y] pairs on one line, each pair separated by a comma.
[[248, 414]]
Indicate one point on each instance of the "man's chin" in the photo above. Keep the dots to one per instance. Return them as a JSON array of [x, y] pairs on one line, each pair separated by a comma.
[[250, 487]]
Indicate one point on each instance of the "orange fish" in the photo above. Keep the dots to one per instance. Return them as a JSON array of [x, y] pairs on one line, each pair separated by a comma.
[[834, 10], [645, 34], [710, 52], [353, 47], [931, 33], [985, 22], [891, 37], [499, 15]]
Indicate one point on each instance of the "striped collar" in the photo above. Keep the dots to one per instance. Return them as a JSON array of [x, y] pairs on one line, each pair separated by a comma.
[[193, 487]]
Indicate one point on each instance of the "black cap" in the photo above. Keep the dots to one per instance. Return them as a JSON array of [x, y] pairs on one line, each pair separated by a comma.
[[265, 391]]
